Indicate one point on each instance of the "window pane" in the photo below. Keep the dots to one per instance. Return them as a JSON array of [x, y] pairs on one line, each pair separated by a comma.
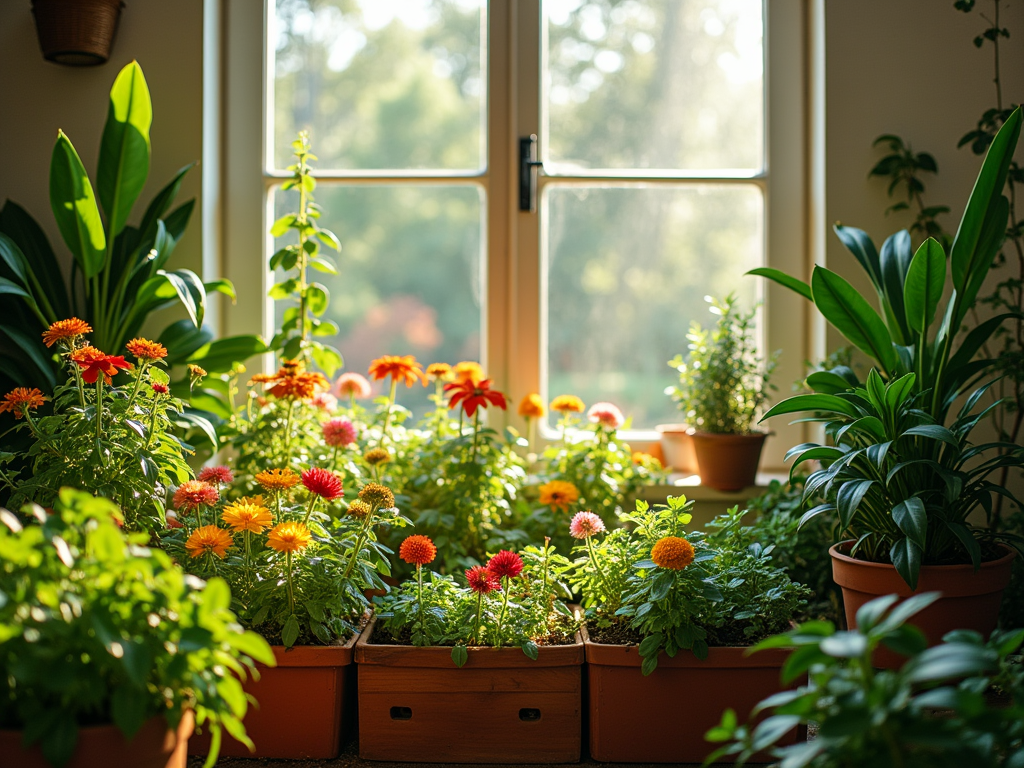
[[673, 84], [410, 273], [381, 84], [627, 269]]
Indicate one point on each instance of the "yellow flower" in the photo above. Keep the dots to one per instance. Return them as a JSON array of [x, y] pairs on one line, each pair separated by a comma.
[[209, 540], [467, 370], [559, 494], [672, 552], [567, 404], [531, 406], [247, 514], [376, 456], [277, 479], [439, 371], [289, 537], [359, 508]]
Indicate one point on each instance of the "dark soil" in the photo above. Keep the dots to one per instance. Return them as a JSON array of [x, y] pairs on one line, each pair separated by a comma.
[[621, 633], [563, 633]]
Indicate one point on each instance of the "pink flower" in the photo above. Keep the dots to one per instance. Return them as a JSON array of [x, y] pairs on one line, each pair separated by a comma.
[[352, 385], [606, 414], [585, 524], [322, 483], [325, 401], [339, 432], [216, 475]]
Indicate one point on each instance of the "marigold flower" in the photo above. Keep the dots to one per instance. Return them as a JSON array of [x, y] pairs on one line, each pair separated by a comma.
[[474, 394], [325, 401], [359, 508], [505, 564], [482, 580], [322, 483], [376, 456], [468, 370], [160, 389], [93, 363], [352, 385], [289, 537], [195, 493], [440, 371], [209, 540], [417, 549], [293, 381], [585, 524], [606, 414], [65, 329], [399, 368], [214, 475], [21, 398], [567, 404], [247, 514], [559, 494], [531, 406], [144, 349], [377, 495], [672, 552], [338, 432], [277, 479]]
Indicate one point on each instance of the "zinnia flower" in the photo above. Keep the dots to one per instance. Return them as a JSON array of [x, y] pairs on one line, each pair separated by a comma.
[[559, 494], [468, 370], [606, 414], [377, 495], [585, 524], [209, 540], [417, 549], [293, 381], [439, 371], [160, 389], [352, 385], [195, 493], [359, 508], [196, 372], [672, 552], [322, 483], [376, 456], [20, 399], [567, 404], [247, 514], [289, 537], [482, 580], [325, 401], [531, 406], [65, 329], [338, 432], [474, 394], [276, 479], [144, 349], [505, 564], [93, 363], [215, 475], [399, 368]]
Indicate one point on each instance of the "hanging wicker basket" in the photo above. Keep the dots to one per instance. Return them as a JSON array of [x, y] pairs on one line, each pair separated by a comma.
[[77, 33]]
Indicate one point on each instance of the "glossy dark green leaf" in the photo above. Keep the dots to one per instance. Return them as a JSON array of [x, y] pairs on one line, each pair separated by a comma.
[[861, 246], [816, 402], [290, 631], [16, 223], [827, 382], [906, 558], [895, 259], [74, 207], [219, 356], [871, 613], [912, 519], [780, 277], [845, 645], [124, 148], [925, 281], [948, 662], [182, 339], [460, 655], [850, 495], [852, 316], [934, 432]]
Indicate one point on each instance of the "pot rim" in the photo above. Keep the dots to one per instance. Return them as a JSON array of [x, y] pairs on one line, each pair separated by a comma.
[[719, 657], [678, 428], [836, 554], [753, 434]]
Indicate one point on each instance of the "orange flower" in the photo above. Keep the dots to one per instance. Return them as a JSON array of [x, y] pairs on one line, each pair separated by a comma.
[[93, 363], [672, 552], [289, 537], [439, 371], [65, 329], [21, 399], [209, 540], [531, 406], [293, 381], [567, 404], [468, 370], [195, 493], [144, 349], [474, 394], [277, 479], [247, 514], [559, 494], [399, 368], [417, 549]]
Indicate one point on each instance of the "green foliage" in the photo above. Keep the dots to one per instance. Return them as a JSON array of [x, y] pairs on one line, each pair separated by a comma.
[[95, 627], [903, 168], [933, 711], [724, 382]]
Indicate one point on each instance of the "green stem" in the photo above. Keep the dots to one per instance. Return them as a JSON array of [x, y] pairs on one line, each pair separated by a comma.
[[309, 510], [138, 383], [387, 414], [288, 433], [506, 583], [152, 421], [479, 615], [476, 431], [419, 597], [334, 458], [291, 596], [359, 544], [99, 407], [597, 567]]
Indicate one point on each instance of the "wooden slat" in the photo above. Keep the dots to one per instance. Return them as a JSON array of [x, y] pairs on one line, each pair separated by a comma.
[[374, 679]]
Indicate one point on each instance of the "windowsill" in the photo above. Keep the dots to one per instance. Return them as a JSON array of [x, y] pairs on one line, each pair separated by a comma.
[[690, 486]]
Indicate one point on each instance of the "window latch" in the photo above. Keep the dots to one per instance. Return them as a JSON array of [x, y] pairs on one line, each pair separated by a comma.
[[528, 165]]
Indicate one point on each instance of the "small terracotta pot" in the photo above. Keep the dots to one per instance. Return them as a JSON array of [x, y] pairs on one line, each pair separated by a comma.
[[78, 33], [970, 599], [102, 746], [677, 447], [415, 705], [728, 462], [302, 705], [662, 718]]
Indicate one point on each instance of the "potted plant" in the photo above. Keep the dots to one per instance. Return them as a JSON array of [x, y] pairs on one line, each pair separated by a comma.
[[669, 611], [677, 447], [723, 385], [107, 651], [932, 711], [902, 477], [484, 673]]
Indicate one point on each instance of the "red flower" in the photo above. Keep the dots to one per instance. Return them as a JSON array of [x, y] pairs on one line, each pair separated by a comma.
[[93, 362], [160, 389], [417, 549], [195, 493], [474, 394], [505, 564], [214, 475], [481, 580], [323, 483]]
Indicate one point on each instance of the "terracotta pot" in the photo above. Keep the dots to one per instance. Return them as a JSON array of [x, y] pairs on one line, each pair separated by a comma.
[[302, 705], [677, 447], [728, 462], [970, 599], [78, 33], [662, 718], [102, 746], [415, 705]]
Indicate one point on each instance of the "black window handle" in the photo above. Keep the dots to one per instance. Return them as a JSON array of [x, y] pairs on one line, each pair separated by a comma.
[[401, 713], [528, 165]]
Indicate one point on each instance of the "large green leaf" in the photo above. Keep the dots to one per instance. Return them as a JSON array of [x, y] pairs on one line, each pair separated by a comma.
[[783, 279], [124, 148], [74, 207], [993, 233], [816, 402], [16, 223], [912, 519], [160, 204], [906, 557], [219, 356], [923, 288], [859, 244], [182, 339], [847, 310], [33, 350], [895, 260]]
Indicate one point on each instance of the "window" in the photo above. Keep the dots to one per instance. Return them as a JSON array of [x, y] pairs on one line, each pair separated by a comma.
[[670, 133]]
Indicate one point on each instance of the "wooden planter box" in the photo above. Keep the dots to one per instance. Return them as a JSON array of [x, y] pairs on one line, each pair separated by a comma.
[[415, 705], [662, 718], [303, 705]]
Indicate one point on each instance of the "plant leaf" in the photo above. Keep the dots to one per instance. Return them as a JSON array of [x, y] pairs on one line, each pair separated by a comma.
[[925, 281], [783, 279], [74, 207], [847, 310]]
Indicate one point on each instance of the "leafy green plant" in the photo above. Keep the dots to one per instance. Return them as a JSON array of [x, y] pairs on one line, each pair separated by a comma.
[[723, 383], [902, 166], [933, 711], [95, 627]]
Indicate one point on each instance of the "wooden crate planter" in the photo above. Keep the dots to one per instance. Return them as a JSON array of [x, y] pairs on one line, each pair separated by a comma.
[[415, 705], [662, 718]]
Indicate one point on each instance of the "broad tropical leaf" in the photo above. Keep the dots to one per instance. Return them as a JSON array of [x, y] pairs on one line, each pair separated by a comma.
[[74, 207]]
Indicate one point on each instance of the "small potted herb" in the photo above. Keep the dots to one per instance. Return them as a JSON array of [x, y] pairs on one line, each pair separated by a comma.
[[489, 669], [723, 385], [669, 610]]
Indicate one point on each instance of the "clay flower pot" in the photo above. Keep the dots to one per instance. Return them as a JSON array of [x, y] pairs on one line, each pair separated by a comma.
[[302, 705], [970, 599], [78, 33], [662, 718], [677, 447], [415, 705], [102, 746], [728, 462]]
